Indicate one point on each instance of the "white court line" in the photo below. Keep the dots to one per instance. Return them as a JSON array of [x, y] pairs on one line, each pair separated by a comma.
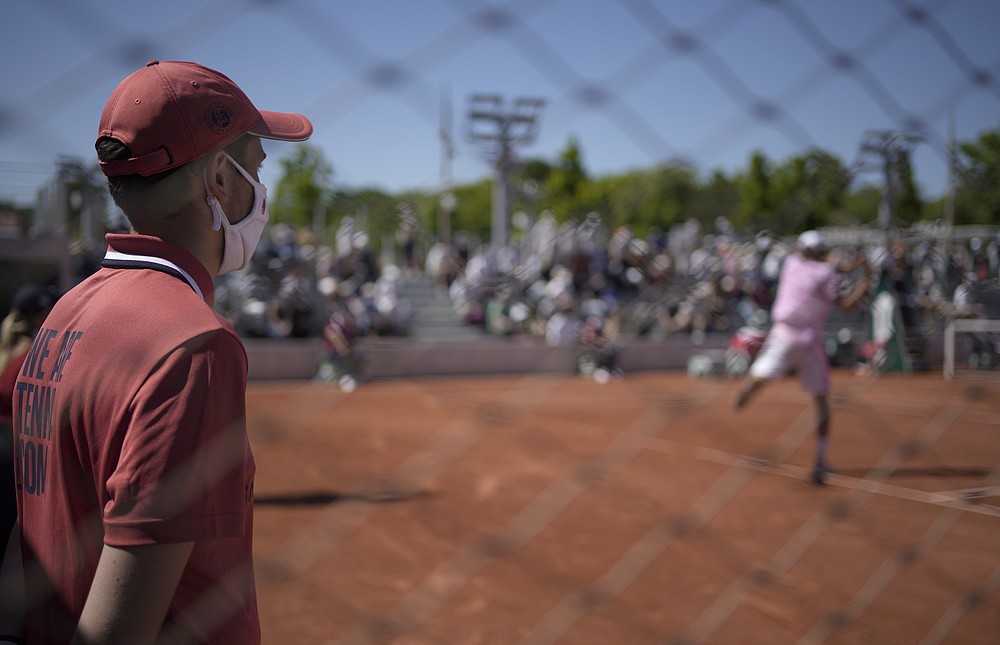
[[947, 499], [808, 533], [886, 407], [977, 492], [991, 418]]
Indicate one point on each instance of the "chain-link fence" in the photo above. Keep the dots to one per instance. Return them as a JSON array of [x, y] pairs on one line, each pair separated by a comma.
[[707, 86], [758, 70], [763, 109]]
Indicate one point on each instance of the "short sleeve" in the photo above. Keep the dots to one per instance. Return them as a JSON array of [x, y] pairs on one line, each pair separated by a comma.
[[185, 471]]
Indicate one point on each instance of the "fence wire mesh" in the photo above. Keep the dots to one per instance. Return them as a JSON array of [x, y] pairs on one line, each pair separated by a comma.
[[582, 78], [348, 72]]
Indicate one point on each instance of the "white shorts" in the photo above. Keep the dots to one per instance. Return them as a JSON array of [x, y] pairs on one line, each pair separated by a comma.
[[781, 354]]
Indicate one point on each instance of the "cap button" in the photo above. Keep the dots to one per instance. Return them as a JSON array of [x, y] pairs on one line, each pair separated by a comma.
[[152, 62]]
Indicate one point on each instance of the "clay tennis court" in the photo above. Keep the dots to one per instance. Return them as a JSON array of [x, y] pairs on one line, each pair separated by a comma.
[[548, 509]]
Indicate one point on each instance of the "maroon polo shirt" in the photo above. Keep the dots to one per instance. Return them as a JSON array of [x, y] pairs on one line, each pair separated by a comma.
[[129, 422]]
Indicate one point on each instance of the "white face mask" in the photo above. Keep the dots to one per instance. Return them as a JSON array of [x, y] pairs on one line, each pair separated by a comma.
[[242, 237]]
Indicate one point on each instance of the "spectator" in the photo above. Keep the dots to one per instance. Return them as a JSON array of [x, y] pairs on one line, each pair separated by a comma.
[[147, 535], [340, 364], [28, 309]]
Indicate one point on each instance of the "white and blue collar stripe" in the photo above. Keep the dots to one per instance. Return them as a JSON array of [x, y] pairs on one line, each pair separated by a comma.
[[118, 260]]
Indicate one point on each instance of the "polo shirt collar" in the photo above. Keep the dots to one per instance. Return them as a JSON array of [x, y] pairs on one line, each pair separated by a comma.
[[146, 252]]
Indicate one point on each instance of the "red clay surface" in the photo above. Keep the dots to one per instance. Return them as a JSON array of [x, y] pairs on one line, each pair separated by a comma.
[[550, 509]]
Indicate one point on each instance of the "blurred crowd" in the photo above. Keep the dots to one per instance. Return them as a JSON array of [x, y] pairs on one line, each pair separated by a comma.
[[577, 276], [579, 283], [294, 286], [564, 280]]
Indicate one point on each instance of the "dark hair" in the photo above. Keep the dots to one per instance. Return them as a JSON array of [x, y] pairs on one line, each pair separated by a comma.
[[33, 299], [124, 186]]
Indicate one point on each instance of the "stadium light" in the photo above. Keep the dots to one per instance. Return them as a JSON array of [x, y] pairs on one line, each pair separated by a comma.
[[889, 147], [502, 126]]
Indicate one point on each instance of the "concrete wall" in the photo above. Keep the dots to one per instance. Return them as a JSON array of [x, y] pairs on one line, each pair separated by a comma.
[[401, 358], [396, 358]]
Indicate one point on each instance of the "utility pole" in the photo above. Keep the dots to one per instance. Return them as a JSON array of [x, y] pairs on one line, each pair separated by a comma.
[[889, 147], [446, 202], [949, 204], [503, 127]]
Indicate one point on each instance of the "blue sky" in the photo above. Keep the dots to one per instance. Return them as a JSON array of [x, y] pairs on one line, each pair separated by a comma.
[[665, 78]]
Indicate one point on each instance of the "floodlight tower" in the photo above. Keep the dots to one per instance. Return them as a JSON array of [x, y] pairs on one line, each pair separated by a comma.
[[889, 147], [446, 203], [503, 127]]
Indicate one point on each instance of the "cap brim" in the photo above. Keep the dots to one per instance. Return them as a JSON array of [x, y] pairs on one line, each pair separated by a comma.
[[283, 126]]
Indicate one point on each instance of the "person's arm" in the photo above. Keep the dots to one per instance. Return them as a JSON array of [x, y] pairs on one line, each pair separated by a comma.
[[131, 593], [12, 591], [851, 300]]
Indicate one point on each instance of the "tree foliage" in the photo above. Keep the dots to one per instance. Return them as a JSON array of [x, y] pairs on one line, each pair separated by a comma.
[[86, 190], [756, 209], [810, 190], [978, 195], [717, 197], [909, 204], [303, 186], [566, 181], [860, 207], [473, 207], [375, 211]]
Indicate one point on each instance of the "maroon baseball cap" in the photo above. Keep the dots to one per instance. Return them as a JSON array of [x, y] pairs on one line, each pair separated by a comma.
[[171, 112]]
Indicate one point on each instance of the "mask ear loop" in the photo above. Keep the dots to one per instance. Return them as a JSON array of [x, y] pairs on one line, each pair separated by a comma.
[[259, 190], [213, 203]]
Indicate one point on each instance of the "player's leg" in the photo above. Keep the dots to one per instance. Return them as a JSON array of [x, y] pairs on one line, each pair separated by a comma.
[[821, 467], [751, 384], [771, 363], [814, 373]]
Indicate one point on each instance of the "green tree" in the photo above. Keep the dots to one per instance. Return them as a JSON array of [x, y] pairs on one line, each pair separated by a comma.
[[909, 204], [536, 170], [808, 190], [977, 197], [671, 195], [623, 197], [474, 208], [565, 181], [529, 186], [804, 192], [756, 211], [860, 207], [304, 184], [375, 211], [718, 197], [87, 200]]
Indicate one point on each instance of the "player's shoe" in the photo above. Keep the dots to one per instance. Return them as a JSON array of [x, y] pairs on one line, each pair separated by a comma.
[[820, 474]]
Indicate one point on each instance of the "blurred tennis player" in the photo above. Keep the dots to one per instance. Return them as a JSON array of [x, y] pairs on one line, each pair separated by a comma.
[[808, 288]]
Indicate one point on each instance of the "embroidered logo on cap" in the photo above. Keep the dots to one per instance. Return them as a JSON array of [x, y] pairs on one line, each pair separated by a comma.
[[220, 119]]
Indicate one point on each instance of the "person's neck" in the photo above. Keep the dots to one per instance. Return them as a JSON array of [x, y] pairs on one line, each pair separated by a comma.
[[192, 232]]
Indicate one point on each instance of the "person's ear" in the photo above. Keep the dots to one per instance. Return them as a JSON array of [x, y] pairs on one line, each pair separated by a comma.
[[216, 177]]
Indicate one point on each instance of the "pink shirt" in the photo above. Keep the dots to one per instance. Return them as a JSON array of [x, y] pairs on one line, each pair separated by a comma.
[[807, 290], [129, 421]]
